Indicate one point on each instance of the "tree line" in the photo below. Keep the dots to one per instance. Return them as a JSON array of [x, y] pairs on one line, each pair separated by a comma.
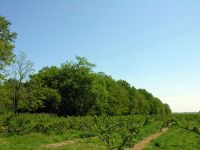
[[73, 88]]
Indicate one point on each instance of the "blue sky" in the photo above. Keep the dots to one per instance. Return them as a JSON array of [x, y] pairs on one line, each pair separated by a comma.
[[152, 44]]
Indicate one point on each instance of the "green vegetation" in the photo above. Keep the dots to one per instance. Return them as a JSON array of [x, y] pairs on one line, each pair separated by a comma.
[[34, 131], [176, 139], [22, 129], [44, 123], [183, 135], [35, 140], [6, 45], [71, 89], [72, 102], [74, 89]]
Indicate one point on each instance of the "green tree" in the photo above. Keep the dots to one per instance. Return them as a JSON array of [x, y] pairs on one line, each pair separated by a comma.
[[39, 99], [167, 109], [132, 97], [5, 97], [6, 44], [21, 70], [100, 94], [76, 87], [73, 82], [117, 98]]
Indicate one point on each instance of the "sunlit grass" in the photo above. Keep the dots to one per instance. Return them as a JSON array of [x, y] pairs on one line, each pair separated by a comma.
[[34, 141], [176, 139]]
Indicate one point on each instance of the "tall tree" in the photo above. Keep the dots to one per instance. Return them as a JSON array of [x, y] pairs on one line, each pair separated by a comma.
[[76, 87], [6, 45], [21, 70]]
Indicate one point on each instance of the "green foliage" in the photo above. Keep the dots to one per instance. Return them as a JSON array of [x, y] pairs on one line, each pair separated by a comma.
[[75, 89], [71, 89], [190, 122], [6, 44], [51, 100], [26, 123], [114, 132], [176, 138], [5, 99], [117, 132]]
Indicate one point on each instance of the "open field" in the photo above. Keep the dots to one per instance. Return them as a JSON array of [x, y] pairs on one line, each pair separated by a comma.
[[43, 131]]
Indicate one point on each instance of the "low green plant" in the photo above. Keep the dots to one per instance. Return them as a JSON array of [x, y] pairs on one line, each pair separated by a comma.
[[117, 133]]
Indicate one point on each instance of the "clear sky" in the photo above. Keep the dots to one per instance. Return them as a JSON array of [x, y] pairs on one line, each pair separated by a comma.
[[153, 44]]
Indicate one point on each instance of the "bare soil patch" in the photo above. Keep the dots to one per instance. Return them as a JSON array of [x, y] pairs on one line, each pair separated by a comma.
[[143, 143], [56, 145]]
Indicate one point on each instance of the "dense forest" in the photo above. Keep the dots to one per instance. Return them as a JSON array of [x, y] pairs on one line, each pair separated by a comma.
[[73, 88]]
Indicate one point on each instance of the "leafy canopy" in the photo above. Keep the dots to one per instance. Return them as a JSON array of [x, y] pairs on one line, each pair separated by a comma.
[[6, 44]]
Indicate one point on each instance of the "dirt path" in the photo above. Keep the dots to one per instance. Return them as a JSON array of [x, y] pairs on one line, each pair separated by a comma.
[[143, 143], [60, 144], [56, 145], [139, 146]]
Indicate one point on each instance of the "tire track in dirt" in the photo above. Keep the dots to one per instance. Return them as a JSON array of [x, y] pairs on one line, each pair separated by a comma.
[[143, 143]]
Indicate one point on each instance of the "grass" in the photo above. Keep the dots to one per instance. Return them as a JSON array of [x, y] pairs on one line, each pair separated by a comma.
[[148, 130], [85, 144], [35, 141], [32, 132], [176, 138]]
